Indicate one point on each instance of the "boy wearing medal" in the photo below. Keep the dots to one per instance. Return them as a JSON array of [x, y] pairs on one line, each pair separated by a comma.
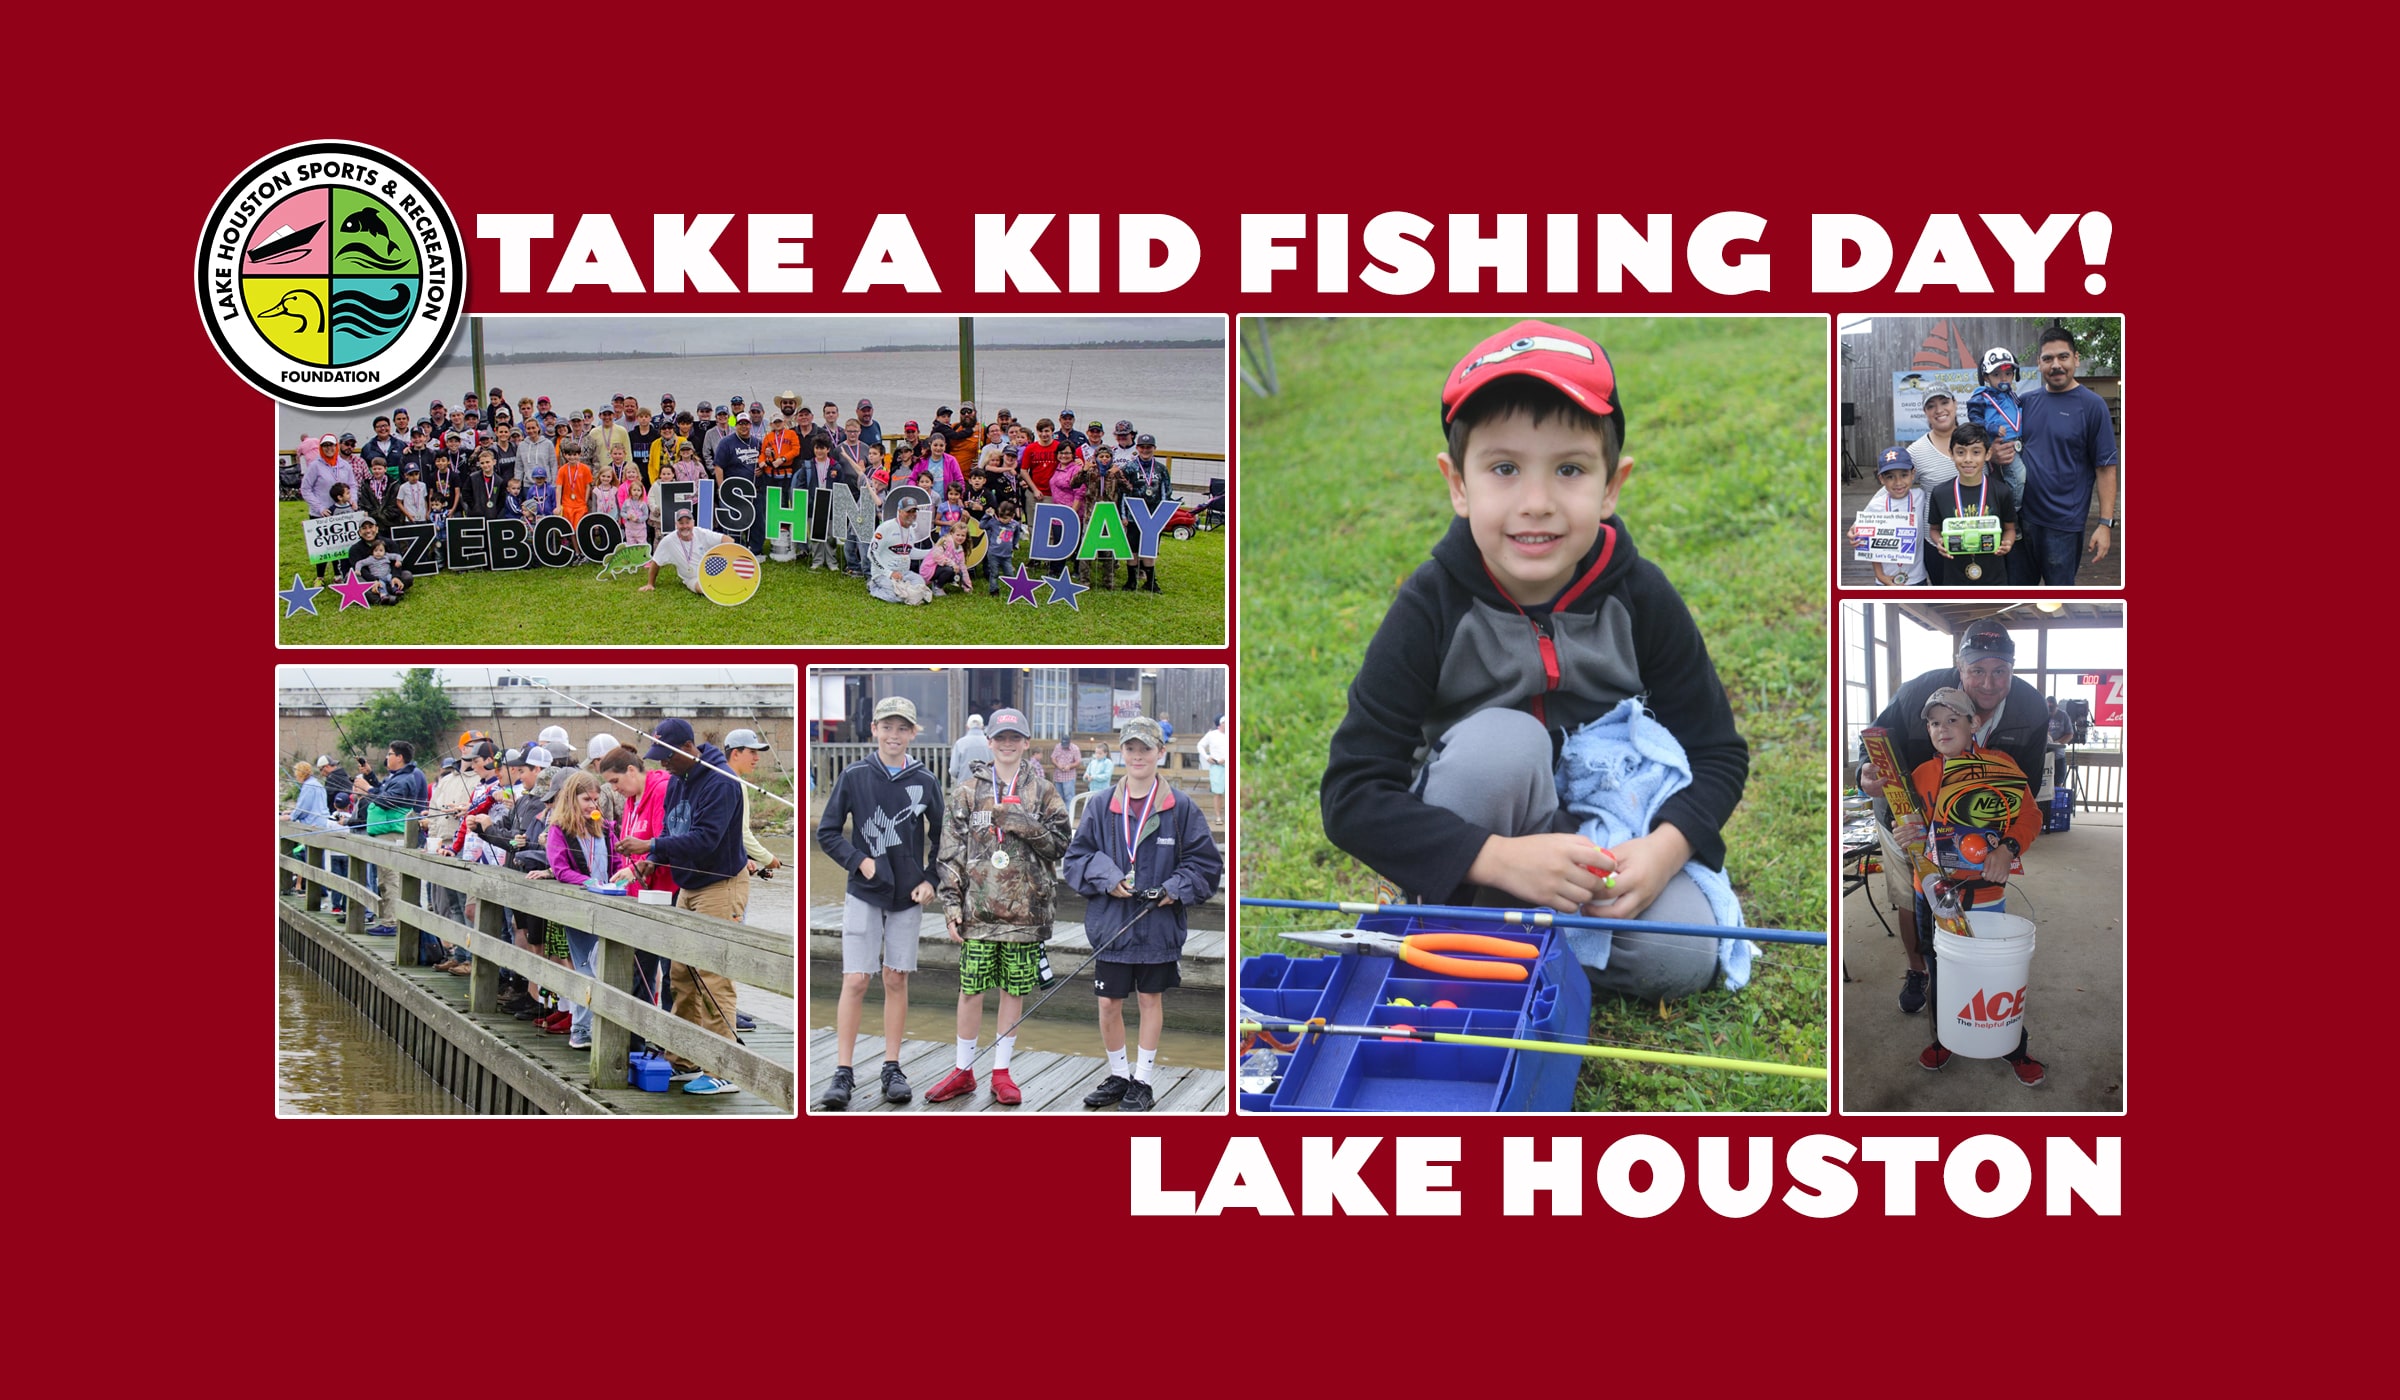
[[1138, 836], [1003, 831], [1972, 495], [1535, 616]]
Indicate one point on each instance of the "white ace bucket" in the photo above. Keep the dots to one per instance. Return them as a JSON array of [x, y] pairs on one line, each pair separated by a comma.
[[1982, 985]]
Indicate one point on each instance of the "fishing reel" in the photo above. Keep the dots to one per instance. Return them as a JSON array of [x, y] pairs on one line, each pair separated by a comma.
[[1155, 893]]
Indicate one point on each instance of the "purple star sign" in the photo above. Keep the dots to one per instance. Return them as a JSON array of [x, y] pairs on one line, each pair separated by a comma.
[[1021, 586]]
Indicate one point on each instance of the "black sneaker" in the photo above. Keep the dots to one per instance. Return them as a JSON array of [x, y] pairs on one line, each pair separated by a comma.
[[837, 1094], [895, 1084], [1138, 1098], [742, 1021], [1912, 991], [1111, 1090]]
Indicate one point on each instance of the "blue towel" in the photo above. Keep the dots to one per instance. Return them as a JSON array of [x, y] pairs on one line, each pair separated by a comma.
[[1615, 773]]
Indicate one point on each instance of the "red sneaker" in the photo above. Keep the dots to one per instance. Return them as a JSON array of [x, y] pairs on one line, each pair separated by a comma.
[[1004, 1089], [2029, 1072], [558, 1024], [1933, 1056], [955, 1083]]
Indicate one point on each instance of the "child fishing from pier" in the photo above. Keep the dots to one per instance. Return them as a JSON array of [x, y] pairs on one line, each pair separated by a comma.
[[1968, 785], [1139, 836], [1003, 831], [883, 824], [1534, 618], [578, 851]]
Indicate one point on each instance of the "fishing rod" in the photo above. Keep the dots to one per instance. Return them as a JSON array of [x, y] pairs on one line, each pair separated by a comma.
[[1543, 918], [621, 724], [1503, 1042], [1150, 899]]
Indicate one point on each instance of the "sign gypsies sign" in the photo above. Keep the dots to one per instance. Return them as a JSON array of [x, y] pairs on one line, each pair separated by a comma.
[[330, 275]]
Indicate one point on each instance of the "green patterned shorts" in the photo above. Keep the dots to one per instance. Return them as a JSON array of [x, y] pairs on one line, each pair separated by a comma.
[[1014, 968], [554, 941]]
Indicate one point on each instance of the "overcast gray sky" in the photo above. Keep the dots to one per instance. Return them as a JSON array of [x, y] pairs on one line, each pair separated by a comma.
[[732, 335], [558, 675]]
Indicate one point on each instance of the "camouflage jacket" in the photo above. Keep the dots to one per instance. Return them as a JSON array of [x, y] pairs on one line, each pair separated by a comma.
[[999, 860]]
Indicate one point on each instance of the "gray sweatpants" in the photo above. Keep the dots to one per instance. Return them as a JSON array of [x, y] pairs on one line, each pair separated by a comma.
[[1493, 768]]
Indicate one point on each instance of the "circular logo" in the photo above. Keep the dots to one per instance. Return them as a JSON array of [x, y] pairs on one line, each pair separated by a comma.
[[331, 275], [729, 574]]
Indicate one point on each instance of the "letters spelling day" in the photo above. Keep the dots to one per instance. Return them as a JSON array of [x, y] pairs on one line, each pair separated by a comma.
[[828, 513]]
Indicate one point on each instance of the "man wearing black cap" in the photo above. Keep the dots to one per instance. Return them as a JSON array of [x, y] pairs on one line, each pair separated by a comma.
[[1146, 477], [737, 457], [2009, 717], [701, 842]]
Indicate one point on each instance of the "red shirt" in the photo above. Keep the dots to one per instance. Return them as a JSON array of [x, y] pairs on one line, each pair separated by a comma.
[[1038, 461]]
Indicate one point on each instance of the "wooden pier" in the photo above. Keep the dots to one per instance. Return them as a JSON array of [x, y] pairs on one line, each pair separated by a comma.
[[1051, 1082], [452, 1025]]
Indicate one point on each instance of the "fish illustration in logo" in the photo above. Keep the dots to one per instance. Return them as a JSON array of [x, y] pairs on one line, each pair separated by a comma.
[[370, 223]]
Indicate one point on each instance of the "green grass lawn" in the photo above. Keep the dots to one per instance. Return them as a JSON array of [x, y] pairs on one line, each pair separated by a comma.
[[793, 605], [1727, 421]]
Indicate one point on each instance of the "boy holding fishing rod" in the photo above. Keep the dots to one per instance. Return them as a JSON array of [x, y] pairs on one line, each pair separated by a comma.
[[1004, 828], [1534, 618], [1136, 837]]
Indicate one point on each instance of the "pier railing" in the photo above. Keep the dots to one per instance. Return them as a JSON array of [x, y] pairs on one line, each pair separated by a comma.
[[763, 958]]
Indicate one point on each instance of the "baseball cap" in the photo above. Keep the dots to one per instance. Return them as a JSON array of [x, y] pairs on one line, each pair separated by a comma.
[[514, 758], [1936, 393], [909, 427], [1145, 440], [1949, 697], [899, 705], [1142, 729], [556, 734], [672, 734], [746, 739], [966, 403], [866, 403], [1894, 459], [1997, 356], [1984, 639], [537, 757], [450, 764], [1124, 425], [1572, 363], [1007, 722], [602, 746]]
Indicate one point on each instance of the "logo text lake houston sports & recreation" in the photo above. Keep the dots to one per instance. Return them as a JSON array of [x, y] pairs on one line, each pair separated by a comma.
[[331, 275]]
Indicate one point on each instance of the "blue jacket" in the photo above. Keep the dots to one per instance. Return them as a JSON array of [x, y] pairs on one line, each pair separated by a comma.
[[403, 788], [702, 843], [1175, 852]]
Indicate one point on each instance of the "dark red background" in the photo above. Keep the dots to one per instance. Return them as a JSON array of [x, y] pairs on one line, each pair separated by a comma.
[[173, 1209]]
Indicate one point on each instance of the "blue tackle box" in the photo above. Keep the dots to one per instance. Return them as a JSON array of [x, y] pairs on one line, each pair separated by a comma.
[[1354, 1074], [648, 1072]]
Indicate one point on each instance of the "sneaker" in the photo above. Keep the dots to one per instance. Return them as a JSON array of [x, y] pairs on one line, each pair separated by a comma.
[[381, 931], [1138, 1098], [574, 1044], [558, 1024], [895, 1084], [2029, 1072], [837, 1094], [710, 1084], [1110, 1090], [695, 1072], [955, 1083], [742, 1021], [1933, 1056], [1912, 992], [531, 1011], [1004, 1088]]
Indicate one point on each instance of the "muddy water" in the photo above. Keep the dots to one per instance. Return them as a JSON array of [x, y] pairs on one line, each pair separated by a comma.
[[329, 1059]]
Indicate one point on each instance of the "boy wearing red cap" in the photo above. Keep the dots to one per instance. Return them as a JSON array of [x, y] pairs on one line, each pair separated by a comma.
[[1535, 617]]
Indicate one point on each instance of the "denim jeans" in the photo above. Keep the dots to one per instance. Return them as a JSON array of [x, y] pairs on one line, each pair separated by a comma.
[[583, 951], [2050, 556]]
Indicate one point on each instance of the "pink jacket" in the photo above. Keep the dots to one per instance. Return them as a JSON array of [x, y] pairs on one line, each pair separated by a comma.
[[562, 865], [943, 552], [646, 818]]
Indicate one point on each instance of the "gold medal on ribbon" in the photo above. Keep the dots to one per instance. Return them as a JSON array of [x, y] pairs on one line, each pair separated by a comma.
[[1974, 570], [999, 860]]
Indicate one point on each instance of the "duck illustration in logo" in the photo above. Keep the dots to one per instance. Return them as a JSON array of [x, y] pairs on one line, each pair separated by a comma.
[[301, 305]]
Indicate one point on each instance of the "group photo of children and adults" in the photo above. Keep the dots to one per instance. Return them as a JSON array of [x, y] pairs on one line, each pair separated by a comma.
[[540, 491], [513, 892], [1047, 839], [1542, 829], [1982, 452]]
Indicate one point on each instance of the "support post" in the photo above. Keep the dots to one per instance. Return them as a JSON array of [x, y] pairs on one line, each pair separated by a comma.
[[312, 892], [354, 905], [412, 898], [613, 964], [483, 976]]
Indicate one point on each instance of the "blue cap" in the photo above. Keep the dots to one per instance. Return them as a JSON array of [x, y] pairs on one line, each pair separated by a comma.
[[674, 732], [1892, 458]]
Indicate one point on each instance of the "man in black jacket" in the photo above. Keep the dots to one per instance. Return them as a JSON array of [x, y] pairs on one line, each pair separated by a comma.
[[893, 809], [2009, 717]]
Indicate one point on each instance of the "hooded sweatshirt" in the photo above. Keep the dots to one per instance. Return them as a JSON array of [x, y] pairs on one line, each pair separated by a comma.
[[703, 834], [1453, 644], [897, 818], [1172, 850]]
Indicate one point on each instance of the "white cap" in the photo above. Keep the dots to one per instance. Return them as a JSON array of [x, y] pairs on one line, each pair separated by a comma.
[[974, 721], [537, 757], [602, 746], [558, 736]]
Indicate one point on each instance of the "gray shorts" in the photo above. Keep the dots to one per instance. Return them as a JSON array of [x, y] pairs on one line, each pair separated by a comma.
[[876, 940]]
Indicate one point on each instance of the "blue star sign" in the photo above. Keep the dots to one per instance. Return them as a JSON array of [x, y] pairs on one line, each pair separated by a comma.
[[1065, 590], [299, 598]]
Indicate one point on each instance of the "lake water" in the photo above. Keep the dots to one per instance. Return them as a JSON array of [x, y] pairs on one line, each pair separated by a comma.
[[1176, 395]]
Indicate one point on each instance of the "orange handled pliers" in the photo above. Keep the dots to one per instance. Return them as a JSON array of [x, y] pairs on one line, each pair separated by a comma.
[[1424, 951]]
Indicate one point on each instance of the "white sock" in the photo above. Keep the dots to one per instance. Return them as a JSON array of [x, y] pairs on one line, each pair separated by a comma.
[[966, 1053], [1149, 1063], [1006, 1044], [1117, 1065]]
